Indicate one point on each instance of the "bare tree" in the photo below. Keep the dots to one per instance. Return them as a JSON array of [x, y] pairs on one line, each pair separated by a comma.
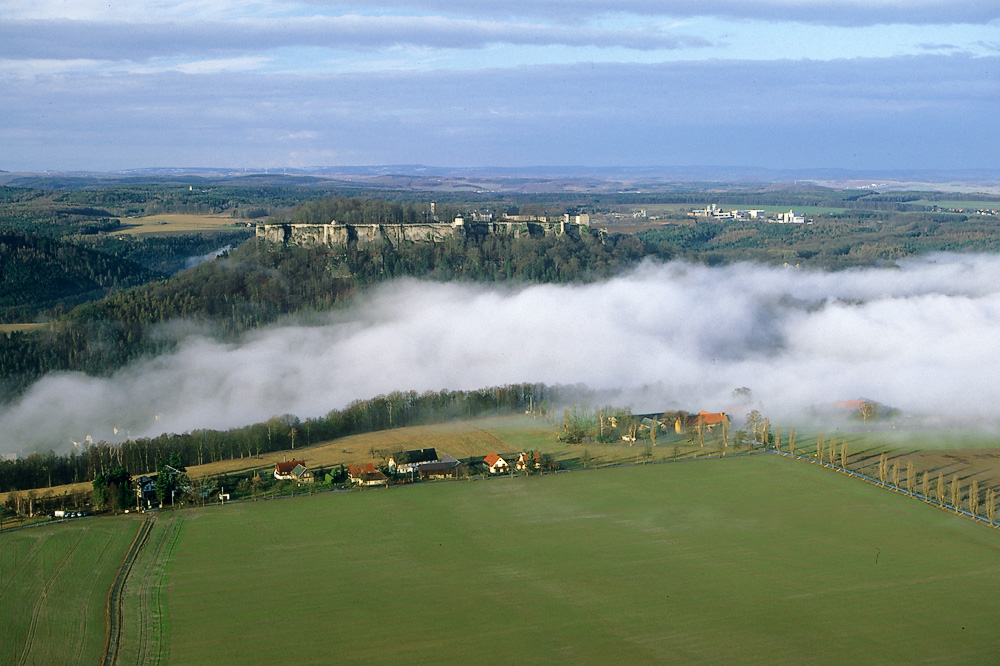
[[843, 453], [725, 432], [991, 504], [791, 440], [819, 447], [974, 498], [868, 410], [883, 467], [777, 438], [925, 483], [939, 490], [956, 492], [895, 474], [910, 481]]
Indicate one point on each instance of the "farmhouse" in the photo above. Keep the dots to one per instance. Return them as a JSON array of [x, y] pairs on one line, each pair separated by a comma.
[[366, 475], [496, 464], [448, 467], [703, 419], [528, 460], [293, 470], [408, 461]]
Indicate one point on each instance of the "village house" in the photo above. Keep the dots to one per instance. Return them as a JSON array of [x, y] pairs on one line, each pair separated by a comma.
[[703, 419], [495, 464], [293, 470], [407, 462], [366, 475], [528, 461], [448, 467]]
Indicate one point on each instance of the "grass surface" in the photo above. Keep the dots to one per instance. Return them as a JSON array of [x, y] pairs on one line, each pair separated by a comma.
[[145, 630], [175, 223], [54, 584], [757, 560]]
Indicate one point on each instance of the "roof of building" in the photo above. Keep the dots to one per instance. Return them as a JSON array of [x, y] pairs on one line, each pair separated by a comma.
[[357, 470], [287, 467], [492, 459], [712, 418], [417, 456]]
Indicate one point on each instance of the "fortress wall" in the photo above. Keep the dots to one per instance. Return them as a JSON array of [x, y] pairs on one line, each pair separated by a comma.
[[335, 234]]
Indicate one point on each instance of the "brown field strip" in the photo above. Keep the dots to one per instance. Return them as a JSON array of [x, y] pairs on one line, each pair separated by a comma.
[[176, 223]]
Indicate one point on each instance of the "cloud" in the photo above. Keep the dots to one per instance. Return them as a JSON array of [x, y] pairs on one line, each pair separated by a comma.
[[872, 113], [110, 40], [924, 337], [825, 12]]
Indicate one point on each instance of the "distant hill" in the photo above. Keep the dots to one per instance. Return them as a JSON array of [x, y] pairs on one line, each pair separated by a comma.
[[521, 179]]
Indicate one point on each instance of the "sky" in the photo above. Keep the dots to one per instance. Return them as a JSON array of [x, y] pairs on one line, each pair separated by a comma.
[[853, 84], [920, 338]]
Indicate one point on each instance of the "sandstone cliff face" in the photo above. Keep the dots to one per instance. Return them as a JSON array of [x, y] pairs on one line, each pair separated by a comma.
[[335, 234]]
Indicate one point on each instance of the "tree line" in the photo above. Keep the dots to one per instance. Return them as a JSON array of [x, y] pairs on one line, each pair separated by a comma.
[[198, 447]]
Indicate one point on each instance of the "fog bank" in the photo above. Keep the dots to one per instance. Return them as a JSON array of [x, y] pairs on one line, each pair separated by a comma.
[[924, 337]]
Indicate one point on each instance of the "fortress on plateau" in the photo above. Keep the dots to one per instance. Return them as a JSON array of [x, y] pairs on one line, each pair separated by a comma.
[[333, 234]]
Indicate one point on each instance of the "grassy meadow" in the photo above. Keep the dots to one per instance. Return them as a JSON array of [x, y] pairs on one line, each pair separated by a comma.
[[175, 223], [753, 560], [54, 584]]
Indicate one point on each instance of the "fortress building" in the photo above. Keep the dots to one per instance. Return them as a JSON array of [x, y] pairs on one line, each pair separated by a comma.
[[334, 234]]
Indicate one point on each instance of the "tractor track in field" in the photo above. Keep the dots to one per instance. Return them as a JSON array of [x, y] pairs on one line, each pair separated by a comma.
[[42, 598], [114, 607], [84, 622], [148, 633], [29, 557]]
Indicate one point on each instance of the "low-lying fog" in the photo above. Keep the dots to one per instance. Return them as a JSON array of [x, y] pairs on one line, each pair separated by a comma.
[[924, 338]]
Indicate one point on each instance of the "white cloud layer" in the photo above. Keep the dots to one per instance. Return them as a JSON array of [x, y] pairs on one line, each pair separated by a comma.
[[831, 12], [924, 338]]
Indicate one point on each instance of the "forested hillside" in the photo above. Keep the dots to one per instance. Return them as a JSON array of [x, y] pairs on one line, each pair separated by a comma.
[[37, 271], [256, 283]]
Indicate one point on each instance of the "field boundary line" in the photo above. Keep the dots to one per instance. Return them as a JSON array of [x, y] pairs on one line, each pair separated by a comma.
[[113, 611], [888, 486]]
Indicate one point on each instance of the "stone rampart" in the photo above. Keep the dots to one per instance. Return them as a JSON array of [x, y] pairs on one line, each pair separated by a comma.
[[335, 234]]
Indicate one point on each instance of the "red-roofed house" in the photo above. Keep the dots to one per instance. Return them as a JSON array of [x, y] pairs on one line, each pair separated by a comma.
[[707, 420], [367, 475], [292, 470], [496, 464]]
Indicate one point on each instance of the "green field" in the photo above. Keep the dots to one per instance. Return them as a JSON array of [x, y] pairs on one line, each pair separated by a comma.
[[749, 560], [54, 584], [740, 560]]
